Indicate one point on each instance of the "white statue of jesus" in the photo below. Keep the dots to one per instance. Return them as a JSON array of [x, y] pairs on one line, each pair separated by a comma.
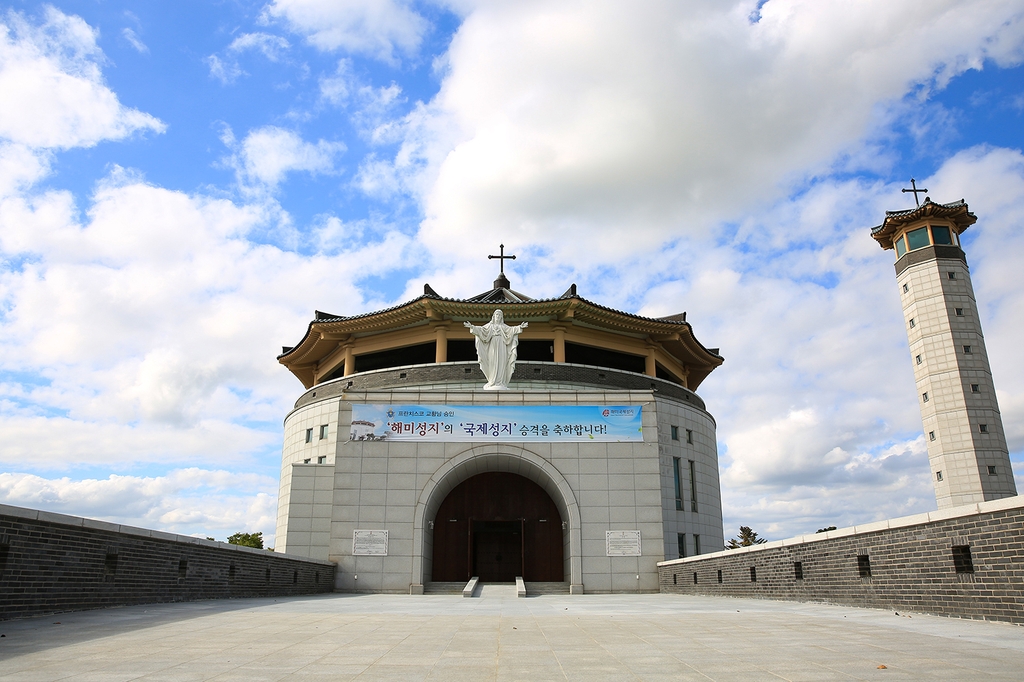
[[496, 345]]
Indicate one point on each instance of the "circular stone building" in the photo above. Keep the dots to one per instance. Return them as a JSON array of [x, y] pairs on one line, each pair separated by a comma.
[[599, 461]]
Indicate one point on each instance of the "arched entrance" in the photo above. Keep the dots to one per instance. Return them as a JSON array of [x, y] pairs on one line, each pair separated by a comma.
[[497, 526]]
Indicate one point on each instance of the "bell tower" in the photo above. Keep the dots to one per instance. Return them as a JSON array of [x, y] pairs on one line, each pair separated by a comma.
[[962, 426]]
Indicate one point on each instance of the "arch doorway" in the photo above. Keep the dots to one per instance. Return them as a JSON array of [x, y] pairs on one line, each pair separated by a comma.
[[498, 526]]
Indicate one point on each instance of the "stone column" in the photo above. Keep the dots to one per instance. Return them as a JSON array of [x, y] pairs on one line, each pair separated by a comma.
[[350, 360], [559, 344], [650, 368]]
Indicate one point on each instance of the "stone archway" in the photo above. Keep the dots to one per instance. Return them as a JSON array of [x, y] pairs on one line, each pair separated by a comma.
[[496, 458]]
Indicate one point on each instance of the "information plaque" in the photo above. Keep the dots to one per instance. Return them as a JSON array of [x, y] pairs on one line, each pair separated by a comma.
[[622, 542], [370, 542]]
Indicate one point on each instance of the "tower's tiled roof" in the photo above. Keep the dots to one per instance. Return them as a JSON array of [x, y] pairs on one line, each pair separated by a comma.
[[957, 212]]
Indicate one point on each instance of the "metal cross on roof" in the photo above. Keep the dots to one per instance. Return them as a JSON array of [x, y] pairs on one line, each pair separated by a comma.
[[502, 258], [915, 191]]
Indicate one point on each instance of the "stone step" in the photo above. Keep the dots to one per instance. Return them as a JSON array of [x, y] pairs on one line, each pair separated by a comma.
[[534, 589], [443, 588]]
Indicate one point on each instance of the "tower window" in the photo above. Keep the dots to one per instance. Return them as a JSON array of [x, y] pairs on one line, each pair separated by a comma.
[[696, 538], [675, 432], [681, 544], [983, 428], [959, 312], [931, 435], [924, 396], [938, 475], [918, 239], [967, 350], [975, 388], [689, 436], [991, 471], [918, 359], [693, 486], [951, 275], [906, 288], [901, 248], [912, 323], [309, 435], [677, 475], [323, 431], [322, 459], [940, 235]]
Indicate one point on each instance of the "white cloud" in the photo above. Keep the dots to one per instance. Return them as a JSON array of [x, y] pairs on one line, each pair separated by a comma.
[[267, 154], [226, 71], [133, 39], [53, 88], [187, 501], [379, 28], [559, 122], [271, 46]]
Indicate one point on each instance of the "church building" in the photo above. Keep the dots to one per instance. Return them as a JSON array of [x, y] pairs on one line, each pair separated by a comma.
[[580, 470]]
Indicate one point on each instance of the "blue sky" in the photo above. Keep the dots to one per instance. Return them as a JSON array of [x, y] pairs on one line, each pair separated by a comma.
[[181, 185]]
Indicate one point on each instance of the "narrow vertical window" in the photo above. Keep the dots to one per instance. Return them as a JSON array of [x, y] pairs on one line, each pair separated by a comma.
[[183, 568], [719, 575], [924, 396], [753, 574], [309, 435], [912, 323], [689, 436], [675, 578], [798, 570], [322, 459], [679, 487], [693, 485], [864, 566], [931, 435], [695, 577], [906, 287], [696, 538], [918, 359], [938, 475], [675, 432], [681, 544], [323, 431]]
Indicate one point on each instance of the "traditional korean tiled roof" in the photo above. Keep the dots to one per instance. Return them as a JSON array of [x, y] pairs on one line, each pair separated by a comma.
[[956, 212]]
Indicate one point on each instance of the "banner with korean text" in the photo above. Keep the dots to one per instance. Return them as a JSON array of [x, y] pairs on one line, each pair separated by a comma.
[[497, 423]]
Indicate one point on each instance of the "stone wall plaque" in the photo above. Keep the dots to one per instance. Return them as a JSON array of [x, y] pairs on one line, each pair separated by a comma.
[[370, 542], [622, 542]]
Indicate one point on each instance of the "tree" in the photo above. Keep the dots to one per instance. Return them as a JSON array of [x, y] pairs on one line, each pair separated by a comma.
[[825, 530], [746, 538], [247, 539]]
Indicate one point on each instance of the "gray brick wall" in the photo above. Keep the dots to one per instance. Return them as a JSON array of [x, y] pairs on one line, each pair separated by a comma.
[[51, 563], [911, 565]]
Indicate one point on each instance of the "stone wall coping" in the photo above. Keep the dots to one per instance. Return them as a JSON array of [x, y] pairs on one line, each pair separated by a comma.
[[96, 524], [1016, 502]]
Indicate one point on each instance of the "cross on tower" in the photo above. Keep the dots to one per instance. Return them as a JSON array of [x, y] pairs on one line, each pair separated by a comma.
[[502, 258], [915, 191]]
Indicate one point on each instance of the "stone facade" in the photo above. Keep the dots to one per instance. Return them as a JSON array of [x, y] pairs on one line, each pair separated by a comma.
[[333, 486], [51, 563], [965, 562], [954, 381]]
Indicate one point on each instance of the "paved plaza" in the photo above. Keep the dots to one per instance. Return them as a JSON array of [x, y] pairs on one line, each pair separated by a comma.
[[499, 637]]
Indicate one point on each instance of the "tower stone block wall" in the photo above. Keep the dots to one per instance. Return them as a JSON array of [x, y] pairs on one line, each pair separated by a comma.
[[963, 429]]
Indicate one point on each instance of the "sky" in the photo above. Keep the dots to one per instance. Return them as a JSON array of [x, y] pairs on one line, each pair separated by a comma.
[[183, 184]]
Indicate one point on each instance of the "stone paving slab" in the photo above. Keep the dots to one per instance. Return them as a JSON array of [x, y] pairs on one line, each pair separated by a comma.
[[499, 637]]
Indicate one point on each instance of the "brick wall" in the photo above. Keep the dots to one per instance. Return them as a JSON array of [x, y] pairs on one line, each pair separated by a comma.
[[51, 563], [910, 560]]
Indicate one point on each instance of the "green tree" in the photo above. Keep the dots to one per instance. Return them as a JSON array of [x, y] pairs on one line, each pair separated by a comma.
[[746, 538], [247, 539]]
